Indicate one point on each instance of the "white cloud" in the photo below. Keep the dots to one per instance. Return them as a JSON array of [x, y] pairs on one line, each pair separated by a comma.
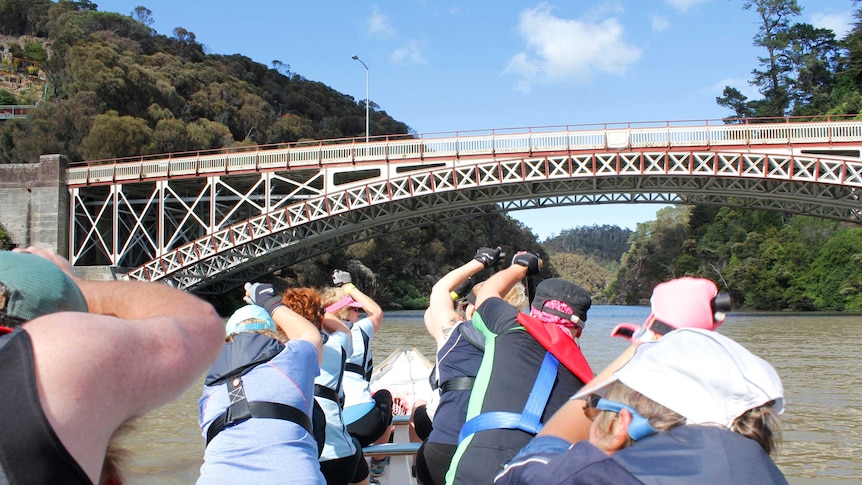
[[409, 53], [560, 49], [378, 24], [741, 85], [840, 23], [659, 23], [683, 5]]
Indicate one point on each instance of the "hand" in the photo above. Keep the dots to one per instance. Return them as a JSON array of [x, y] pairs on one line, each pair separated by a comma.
[[489, 256], [531, 261], [341, 277], [262, 295]]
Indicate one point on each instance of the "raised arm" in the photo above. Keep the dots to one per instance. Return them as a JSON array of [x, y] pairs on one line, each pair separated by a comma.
[[294, 325], [140, 346], [372, 310], [441, 317], [497, 286]]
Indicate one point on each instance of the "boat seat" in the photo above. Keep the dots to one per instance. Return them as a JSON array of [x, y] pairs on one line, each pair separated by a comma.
[[392, 449]]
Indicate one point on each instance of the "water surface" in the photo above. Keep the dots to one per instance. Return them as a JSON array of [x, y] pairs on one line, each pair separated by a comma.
[[815, 354]]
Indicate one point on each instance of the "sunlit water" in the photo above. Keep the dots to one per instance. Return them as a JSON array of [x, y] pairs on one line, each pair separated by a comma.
[[817, 356]]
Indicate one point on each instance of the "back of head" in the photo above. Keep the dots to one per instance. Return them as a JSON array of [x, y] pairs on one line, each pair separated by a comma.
[[517, 295], [250, 318], [702, 375], [562, 302], [306, 302], [32, 286], [679, 303]]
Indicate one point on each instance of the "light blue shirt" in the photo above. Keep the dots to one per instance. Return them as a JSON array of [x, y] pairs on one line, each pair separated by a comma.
[[356, 389], [339, 443], [263, 450]]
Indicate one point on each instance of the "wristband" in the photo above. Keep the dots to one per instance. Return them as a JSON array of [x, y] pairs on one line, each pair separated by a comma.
[[347, 287], [272, 304]]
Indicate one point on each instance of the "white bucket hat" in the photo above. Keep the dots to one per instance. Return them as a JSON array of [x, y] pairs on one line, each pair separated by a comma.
[[704, 376]]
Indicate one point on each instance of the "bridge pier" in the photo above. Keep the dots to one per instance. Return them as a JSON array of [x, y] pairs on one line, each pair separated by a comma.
[[35, 208], [34, 203]]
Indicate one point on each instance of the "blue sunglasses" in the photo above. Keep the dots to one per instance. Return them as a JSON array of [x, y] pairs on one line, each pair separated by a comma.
[[640, 427]]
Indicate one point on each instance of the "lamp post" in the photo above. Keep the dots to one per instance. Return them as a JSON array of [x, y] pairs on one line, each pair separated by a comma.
[[356, 58]]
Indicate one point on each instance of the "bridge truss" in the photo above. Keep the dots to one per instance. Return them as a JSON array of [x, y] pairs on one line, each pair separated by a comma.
[[210, 222]]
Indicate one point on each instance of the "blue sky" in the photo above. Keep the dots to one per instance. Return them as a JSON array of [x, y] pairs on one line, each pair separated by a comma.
[[446, 66]]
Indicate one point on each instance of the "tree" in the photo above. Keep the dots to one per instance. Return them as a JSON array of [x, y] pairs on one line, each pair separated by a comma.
[[7, 98], [114, 136], [774, 35], [143, 15]]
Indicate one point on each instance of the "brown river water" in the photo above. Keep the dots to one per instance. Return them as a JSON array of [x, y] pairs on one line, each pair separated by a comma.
[[817, 356]]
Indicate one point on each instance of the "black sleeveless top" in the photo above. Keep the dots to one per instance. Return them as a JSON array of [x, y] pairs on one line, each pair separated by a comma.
[[30, 451]]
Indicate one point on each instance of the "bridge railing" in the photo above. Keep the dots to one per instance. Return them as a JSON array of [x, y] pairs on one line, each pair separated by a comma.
[[8, 111], [398, 148]]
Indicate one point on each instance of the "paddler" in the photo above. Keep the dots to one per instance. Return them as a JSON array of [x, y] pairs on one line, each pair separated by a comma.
[[679, 303], [458, 360], [531, 366]]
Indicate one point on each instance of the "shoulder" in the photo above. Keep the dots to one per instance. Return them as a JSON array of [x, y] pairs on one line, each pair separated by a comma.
[[552, 460], [366, 325], [342, 340], [497, 315]]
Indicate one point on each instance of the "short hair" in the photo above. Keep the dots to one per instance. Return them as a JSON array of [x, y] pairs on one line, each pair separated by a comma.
[[760, 423], [660, 418]]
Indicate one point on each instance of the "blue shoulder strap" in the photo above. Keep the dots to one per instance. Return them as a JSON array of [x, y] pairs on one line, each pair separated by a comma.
[[530, 419]]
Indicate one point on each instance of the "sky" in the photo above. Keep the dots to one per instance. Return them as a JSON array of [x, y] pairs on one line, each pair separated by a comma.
[[456, 65]]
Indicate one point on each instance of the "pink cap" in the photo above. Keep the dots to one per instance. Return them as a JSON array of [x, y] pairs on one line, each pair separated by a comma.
[[679, 303], [346, 301]]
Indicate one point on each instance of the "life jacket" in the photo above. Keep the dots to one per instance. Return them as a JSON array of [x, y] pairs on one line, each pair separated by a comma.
[[561, 348], [328, 392], [364, 371], [560, 343], [247, 351]]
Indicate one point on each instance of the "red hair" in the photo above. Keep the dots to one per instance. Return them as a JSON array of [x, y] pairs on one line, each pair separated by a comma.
[[306, 302]]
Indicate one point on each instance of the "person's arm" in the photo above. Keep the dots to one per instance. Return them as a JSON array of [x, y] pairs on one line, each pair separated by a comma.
[[294, 325], [569, 423], [332, 324], [497, 286], [140, 347], [372, 310], [441, 317]]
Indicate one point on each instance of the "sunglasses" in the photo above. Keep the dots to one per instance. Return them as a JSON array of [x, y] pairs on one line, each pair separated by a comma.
[[638, 429]]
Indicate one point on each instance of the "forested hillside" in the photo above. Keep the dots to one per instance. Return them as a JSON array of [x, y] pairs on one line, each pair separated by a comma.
[[108, 86], [766, 260]]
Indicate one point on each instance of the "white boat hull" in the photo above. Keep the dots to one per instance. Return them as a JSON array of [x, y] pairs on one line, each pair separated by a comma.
[[405, 374]]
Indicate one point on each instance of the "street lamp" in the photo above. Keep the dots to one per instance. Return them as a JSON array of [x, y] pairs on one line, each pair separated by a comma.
[[356, 58]]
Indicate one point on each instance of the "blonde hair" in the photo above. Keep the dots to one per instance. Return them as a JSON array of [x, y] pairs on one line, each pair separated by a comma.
[[330, 295], [517, 295]]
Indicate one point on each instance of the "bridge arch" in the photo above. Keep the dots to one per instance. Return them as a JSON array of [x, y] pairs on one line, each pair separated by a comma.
[[209, 222]]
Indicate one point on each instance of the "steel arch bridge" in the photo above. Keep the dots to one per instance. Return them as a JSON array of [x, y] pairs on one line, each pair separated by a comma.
[[209, 221]]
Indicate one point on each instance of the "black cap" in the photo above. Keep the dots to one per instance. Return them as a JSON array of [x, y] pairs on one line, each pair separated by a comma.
[[577, 298]]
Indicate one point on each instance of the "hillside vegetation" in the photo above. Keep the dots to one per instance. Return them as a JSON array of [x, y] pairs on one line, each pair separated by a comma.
[[107, 85]]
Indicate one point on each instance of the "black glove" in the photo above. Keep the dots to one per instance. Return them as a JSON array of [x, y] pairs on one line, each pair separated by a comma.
[[461, 290], [488, 256], [529, 260], [341, 277], [262, 295]]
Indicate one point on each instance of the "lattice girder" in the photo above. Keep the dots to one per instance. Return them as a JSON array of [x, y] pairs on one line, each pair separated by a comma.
[[219, 225]]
